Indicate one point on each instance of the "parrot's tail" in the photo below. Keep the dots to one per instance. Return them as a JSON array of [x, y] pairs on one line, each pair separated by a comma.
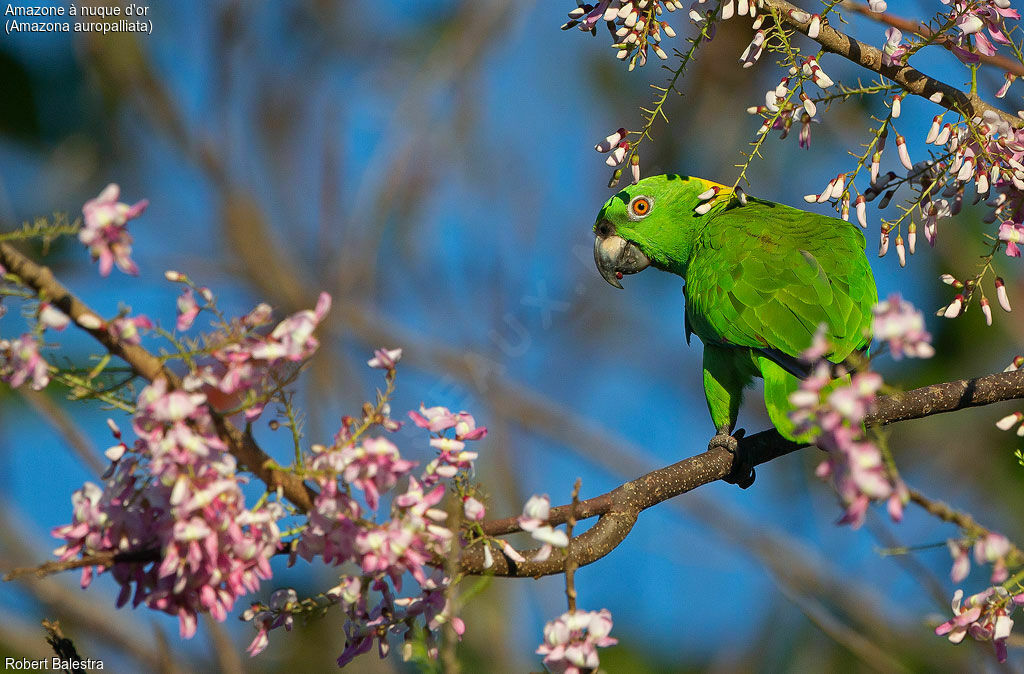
[[779, 384]]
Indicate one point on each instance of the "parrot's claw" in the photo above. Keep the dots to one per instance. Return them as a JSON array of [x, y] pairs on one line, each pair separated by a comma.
[[742, 474]]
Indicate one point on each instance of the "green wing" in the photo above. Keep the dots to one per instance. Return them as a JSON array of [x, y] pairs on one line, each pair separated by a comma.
[[765, 276]]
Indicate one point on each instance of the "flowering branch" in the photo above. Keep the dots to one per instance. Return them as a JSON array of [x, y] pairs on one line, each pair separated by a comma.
[[101, 559], [618, 509], [240, 444], [867, 56]]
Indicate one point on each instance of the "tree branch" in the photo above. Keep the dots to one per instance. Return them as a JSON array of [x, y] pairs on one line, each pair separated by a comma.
[[241, 445], [618, 509], [911, 79]]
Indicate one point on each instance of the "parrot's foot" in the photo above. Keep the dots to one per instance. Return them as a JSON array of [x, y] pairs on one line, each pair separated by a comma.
[[742, 474]]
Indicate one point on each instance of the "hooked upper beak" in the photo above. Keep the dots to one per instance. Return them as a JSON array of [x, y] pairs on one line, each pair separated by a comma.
[[615, 257]]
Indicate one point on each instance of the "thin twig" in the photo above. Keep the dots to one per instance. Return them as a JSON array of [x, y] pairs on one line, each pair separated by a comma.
[[570, 561]]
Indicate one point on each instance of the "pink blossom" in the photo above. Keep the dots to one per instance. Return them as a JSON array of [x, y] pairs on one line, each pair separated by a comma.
[[992, 548], [188, 309], [892, 50], [373, 467], [1004, 302], [535, 520], [466, 428], [452, 458], [973, 20], [434, 419], [635, 31], [535, 512], [332, 527], [453, 455], [292, 339], [571, 641], [20, 361], [127, 329], [611, 141], [511, 552], [385, 359], [961, 560], [105, 232], [985, 616], [1012, 233]]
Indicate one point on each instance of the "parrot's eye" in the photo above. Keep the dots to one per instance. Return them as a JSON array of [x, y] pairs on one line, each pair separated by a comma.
[[640, 207]]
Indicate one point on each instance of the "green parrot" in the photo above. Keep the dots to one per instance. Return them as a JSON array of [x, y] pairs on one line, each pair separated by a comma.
[[760, 277]]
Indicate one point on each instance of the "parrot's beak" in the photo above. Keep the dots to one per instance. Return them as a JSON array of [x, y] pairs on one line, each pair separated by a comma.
[[615, 257]]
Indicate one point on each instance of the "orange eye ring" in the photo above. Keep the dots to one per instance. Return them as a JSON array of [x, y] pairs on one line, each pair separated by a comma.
[[640, 207]]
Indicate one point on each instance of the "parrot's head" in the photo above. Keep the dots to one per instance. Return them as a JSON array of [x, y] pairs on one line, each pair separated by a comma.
[[651, 223]]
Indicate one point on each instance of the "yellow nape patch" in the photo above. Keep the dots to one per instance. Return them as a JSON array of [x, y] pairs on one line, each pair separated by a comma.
[[708, 184]]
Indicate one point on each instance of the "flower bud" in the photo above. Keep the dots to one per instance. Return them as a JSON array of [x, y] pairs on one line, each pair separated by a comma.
[[934, 130], [1004, 302], [1009, 421], [860, 205], [901, 147], [605, 145], [953, 310], [987, 310], [814, 28]]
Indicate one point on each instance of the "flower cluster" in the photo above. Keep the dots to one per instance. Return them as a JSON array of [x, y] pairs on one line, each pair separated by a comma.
[[392, 533], [831, 412], [779, 111], [244, 359], [616, 146], [965, 290], [985, 616], [571, 641], [396, 615], [105, 230], [452, 453], [985, 152], [277, 614], [974, 19], [172, 509], [633, 24]]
